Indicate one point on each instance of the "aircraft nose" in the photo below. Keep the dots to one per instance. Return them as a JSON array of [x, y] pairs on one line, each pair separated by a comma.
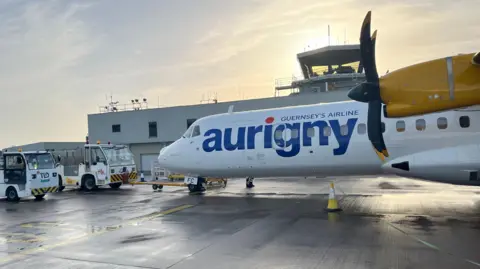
[[167, 157]]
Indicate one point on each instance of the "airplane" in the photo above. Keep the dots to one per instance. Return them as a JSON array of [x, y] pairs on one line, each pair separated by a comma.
[[436, 142], [329, 139]]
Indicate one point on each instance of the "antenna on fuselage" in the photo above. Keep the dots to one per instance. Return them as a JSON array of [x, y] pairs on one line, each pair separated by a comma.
[[230, 109]]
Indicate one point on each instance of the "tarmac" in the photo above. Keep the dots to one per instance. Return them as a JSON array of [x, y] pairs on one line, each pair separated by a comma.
[[386, 222]]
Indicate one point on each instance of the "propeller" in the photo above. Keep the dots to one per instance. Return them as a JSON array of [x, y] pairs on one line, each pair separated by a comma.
[[369, 91]]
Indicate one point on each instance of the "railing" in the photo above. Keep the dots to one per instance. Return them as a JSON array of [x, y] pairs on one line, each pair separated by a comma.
[[293, 82], [122, 107], [285, 82]]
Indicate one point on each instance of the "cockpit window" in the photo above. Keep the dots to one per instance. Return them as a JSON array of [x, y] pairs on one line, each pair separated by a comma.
[[196, 131], [188, 133]]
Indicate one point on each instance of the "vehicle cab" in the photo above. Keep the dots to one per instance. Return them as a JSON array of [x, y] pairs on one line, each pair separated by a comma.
[[121, 163], [27, 173]]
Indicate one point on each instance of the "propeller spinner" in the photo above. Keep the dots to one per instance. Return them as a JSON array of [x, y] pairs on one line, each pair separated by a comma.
[[369, 91]]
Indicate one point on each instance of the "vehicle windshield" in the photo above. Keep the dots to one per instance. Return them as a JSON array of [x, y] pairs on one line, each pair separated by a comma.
[[40, 161], [119, 155]]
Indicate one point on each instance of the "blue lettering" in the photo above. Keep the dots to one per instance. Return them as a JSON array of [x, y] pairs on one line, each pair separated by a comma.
[[286, 138], [343, 140], [240, 139], [216, 139], [293, 142]]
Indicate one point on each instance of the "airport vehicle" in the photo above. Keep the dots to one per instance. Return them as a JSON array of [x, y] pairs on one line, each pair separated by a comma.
[[27, 173], [437, 85], [97, 165], [327, 140]]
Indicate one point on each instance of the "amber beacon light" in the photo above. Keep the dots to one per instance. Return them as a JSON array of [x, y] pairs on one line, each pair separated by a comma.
[[431, 86]]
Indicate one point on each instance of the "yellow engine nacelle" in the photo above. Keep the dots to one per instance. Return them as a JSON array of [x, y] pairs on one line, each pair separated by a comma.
[[432, 86]]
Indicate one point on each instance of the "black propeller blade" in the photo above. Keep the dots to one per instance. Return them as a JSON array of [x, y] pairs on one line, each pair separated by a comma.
[[369, 91]]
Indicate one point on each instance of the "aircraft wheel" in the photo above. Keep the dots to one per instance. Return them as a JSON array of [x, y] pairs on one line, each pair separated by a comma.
[[154, 187]]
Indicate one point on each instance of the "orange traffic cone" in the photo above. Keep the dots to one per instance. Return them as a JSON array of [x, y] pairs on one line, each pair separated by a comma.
[[332, 200]]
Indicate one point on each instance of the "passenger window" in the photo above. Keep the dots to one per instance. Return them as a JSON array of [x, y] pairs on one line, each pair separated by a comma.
[[362, 128], [278, 134], [400, 126], [310, 132], [344, 130], [420, 124], [383, 127], [294, 133], [442, 123], [327, 131], [464, 121], [196, 131]]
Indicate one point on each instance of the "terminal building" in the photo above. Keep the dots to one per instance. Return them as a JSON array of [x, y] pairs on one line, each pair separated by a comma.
[[328, 74]]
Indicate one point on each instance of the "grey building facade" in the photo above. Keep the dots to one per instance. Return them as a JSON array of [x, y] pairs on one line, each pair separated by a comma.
[[147, 131]]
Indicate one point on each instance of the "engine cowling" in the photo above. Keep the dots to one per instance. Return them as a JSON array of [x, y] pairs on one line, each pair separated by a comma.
[[456, 165]]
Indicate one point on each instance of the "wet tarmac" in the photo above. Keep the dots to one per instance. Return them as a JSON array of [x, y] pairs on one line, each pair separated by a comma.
[[385, 223]]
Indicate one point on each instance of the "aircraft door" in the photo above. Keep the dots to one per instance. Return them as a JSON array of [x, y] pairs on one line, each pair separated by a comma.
[[15, 169]]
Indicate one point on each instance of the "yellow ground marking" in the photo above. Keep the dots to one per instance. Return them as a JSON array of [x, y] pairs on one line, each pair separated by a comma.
[[19, 238], [49, 225], [133, 222]]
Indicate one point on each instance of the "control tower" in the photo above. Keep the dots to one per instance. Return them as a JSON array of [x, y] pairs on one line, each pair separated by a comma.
[[331, 68]]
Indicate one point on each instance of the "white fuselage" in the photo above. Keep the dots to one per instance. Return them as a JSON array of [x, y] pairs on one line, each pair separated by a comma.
[[327, 139]]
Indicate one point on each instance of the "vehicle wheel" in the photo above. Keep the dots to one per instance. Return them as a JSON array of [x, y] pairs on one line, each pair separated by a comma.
[[115, 185], [39, 197], [11, 194], [154, 187], [192, 188], [89, 183], [60, 184], [160, 187]]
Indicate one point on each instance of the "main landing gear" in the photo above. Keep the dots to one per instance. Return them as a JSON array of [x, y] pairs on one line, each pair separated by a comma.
[[199, 187], [249, 182]]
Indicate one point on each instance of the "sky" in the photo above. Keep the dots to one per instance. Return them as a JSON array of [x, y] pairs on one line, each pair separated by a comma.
[[59, 60]]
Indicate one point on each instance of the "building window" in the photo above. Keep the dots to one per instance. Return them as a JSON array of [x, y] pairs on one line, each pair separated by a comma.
[[362, 128], [420, 124], [400, 126], [152, 129], [190, 122], [464, 121], [116, 128], [442, 123]]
